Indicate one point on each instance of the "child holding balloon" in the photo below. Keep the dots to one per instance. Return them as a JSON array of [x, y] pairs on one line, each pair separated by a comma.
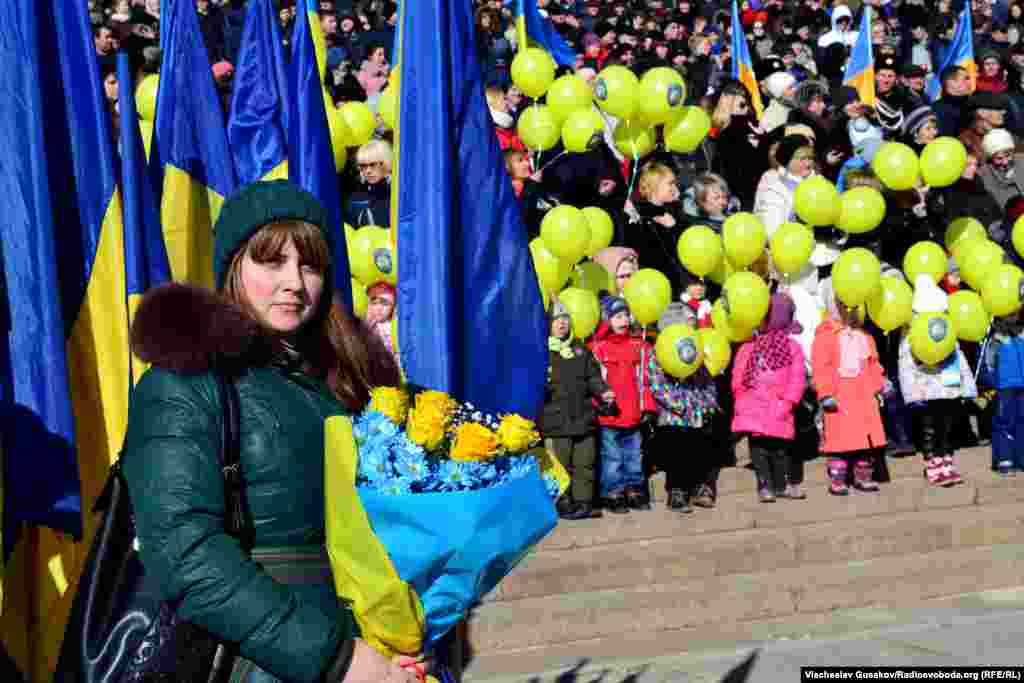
[[768, 381], [849, 381], [934, 378], [622, 356]]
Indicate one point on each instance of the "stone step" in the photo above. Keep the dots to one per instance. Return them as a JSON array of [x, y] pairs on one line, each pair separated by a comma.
[[759, 550], [516, 636], [886, 634]]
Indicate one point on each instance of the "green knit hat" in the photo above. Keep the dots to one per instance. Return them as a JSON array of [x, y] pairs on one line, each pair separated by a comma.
[[255, 206]]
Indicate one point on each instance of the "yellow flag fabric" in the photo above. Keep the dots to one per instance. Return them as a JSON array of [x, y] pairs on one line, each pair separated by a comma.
[[388, 610], [188, 210]]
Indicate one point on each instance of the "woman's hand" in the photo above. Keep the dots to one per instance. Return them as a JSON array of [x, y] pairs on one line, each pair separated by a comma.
[[370, 666], [666, 219]]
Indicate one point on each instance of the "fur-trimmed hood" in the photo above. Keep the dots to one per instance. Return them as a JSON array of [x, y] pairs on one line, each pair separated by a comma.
[[186, 328]]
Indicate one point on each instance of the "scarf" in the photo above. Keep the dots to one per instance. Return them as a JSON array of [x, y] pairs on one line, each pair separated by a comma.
[[771, 352], [854, 352], [563, 347]]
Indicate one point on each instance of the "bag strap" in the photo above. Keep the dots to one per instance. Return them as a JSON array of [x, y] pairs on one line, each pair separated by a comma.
[[238, 523]]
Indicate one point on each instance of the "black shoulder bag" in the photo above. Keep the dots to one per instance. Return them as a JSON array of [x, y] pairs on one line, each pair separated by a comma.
[[120, 629]]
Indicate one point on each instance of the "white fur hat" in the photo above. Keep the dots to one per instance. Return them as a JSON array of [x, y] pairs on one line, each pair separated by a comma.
[[996, 141], [778, 83], [928, 298]]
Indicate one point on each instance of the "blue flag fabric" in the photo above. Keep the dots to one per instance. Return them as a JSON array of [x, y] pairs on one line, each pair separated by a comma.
[[258, 122], [310, 159], [146, 262], [41, 474], [540, 30], [470, 316]]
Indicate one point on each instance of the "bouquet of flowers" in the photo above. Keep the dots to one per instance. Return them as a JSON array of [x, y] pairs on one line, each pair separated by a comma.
[[430, 504]]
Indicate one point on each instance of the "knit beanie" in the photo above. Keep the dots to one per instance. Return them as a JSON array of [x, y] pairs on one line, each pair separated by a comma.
[[917, 119], [558, 310], [789, 146], [996, 141], [677, 313], [778, 83], [258, 205], [928, 298], [612, 306]]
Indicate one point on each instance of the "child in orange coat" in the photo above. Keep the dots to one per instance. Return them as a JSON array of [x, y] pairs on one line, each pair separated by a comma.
[[849, 381]]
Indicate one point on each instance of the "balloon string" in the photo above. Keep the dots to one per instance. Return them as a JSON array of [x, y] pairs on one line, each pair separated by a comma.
[[981, 354], [553, 160], [632, 176]]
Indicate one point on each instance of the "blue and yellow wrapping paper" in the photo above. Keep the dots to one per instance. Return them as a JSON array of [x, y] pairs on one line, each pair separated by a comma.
[[413, 565]]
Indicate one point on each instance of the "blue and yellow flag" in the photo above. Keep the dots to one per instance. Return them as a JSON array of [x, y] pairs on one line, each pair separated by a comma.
[[960, 53], [860, 71], [310, 159], [470, 317], [531, 25], [71, 129], [258, 122], [742, 65], [145, 256], [191, 160]]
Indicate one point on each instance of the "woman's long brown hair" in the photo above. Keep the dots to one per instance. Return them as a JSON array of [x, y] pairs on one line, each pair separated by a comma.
[[337, 348]]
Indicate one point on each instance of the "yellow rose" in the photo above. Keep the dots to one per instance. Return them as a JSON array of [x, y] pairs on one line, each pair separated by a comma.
[[429, 418], [474, 442], [390, 401], [517, 433]]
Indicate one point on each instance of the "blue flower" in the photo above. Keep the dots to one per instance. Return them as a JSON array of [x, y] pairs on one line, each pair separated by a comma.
[[454, 476], [395, 487], [410, 465], [552, 486]]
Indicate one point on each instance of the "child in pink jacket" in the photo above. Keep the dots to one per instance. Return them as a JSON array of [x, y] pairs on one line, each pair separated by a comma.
[[768, 381]]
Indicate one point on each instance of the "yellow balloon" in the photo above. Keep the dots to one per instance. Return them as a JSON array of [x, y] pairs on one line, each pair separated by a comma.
[[592, 277], [896, 165], [967, 311], [565, 233], [816, 201], [635, 138], [584, 310], [648, 292], [602, 229], [145, 97], [533, 71], [932, 337], [616, 90], [700, 250], [360, 121], [372, 257], [855, 276], [980, 259], [341, 137], [720, 319], [1018, 235], [717, 352], [538, 128], [961, 230], [891, 304], [723, 272], [861, 209], [679, 350], [791, 246], [359, 301], [387, 106], [687, 129], [582, 129], [745, 298], [1000, 292], [567, 94], [743, 237], [925, 258], [943, 161], [552, 272], [662, 93]]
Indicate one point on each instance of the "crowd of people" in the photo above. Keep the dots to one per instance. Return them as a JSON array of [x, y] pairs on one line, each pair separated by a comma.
[[818, 379]]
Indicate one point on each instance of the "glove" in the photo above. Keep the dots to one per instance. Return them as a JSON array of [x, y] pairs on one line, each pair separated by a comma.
[[829, 404]]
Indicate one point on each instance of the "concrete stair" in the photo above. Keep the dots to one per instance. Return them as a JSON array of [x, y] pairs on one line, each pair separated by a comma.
[[658, 582]]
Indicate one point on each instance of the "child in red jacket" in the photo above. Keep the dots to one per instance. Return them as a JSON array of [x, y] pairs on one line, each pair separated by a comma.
[[623, 359]]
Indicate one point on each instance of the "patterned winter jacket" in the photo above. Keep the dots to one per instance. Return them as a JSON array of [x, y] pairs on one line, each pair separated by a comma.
[[683, 403]]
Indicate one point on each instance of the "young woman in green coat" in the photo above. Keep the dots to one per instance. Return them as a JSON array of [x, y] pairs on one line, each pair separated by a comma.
[[295, 359]]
